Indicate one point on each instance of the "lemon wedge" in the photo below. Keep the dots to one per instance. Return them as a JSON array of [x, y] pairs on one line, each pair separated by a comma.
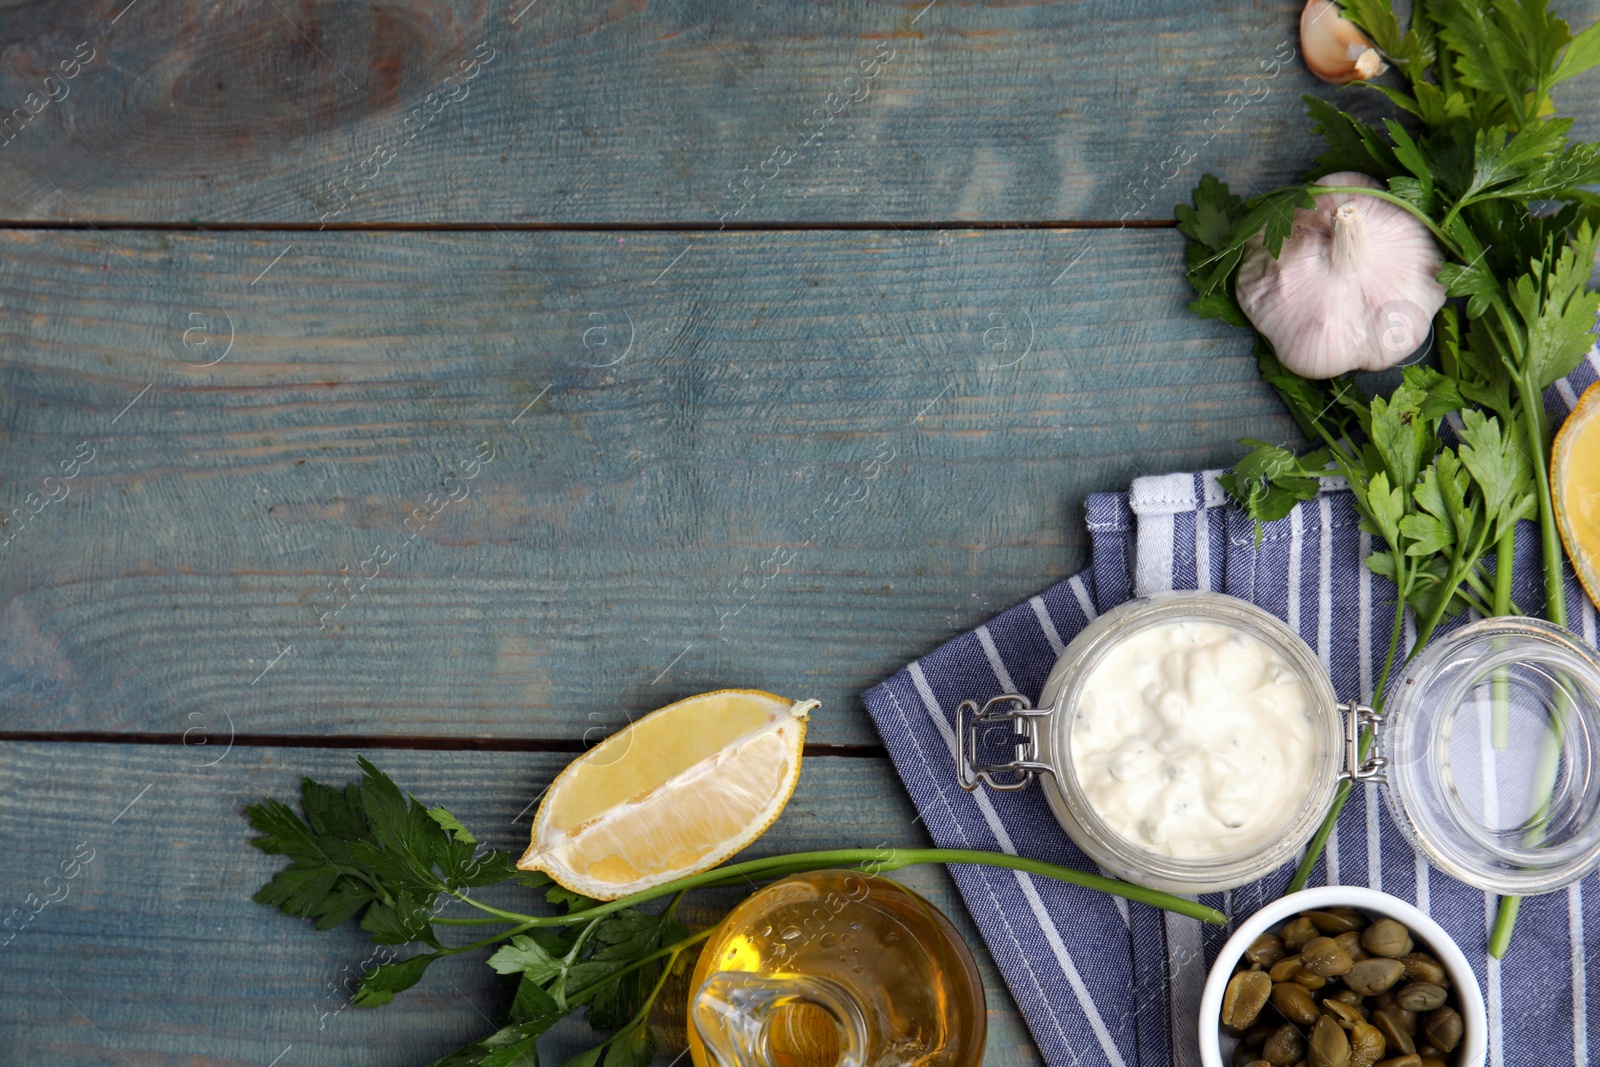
[[1575, 489], [671, 795]]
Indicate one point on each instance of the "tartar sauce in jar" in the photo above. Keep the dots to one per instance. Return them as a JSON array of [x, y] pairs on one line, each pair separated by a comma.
[[1194, 739]]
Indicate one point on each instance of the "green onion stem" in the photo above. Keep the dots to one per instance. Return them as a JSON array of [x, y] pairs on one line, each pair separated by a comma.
[[1500, 697], [1341, 794], [1555, 592], [1505, 921], [876, 860]]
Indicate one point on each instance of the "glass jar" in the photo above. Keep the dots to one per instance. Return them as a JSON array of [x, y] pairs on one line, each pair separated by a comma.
[[1472, 808], [1492, 749]]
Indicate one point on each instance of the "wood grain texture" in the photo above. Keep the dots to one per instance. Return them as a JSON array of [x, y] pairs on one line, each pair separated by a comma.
[[156, 955], [689, 111], [797, 461]]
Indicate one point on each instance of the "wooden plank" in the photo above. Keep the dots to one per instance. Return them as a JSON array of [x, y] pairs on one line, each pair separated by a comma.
[[693, 111], [797, 461], [155, 954]]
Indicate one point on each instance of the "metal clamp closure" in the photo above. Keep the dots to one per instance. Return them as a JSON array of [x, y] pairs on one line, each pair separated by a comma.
[[1359, 717], [1014, 710]]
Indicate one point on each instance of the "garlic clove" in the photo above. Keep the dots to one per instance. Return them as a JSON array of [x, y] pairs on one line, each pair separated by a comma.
[[1335, 49], [1354, 288]]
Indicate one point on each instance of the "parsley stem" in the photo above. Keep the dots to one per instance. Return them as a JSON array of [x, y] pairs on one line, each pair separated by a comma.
[[485, 943], [643, 1013], [673, 949], [1442, 64], [509, 916], [1538, 433], [1487, 599], [583, 935]]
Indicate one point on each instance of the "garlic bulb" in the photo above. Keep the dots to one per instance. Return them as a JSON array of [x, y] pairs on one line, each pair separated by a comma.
[[1355, 287], [1335, 49]]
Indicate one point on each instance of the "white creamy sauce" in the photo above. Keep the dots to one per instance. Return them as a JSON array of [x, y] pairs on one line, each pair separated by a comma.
[[1194, 739]]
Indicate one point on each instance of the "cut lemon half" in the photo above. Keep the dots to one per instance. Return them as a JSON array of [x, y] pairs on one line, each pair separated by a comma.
[[671, 795], [1575, 489]]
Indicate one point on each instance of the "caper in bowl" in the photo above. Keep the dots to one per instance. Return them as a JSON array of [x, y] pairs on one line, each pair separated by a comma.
[[1341, 976]]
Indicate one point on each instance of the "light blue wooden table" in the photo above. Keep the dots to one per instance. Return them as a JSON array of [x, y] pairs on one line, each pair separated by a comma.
[[667, 277]]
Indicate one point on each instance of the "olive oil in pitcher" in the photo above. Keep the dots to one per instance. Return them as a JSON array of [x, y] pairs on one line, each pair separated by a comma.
[[836, 967]]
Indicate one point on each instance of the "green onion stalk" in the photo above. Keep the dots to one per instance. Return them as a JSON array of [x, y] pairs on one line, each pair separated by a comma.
[[868, 860], [1535, 430]]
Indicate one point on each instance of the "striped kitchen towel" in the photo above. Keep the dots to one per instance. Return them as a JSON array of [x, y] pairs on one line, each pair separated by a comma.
[[1102, 981]]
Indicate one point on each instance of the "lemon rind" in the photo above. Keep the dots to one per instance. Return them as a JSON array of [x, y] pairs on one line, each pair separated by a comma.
[[795, 716], [1587, 409]]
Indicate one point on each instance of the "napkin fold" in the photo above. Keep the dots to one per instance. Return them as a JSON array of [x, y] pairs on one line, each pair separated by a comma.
[[1106, 982]]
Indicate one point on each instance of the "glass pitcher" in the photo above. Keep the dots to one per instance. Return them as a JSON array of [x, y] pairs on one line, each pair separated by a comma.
[[836, 967]]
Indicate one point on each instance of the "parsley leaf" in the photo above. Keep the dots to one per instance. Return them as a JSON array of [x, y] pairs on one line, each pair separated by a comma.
[[1485, 54], [1557, 308], [1378, 20], [631, 1047], [588, 1058], [449, 822], [532, 1004], [1210, 221], [379, 985], [604, 981], [1271, 218], [511, 1046], [369, 850], [400, 923], [1269, 481], [1583, 54], [1352, 144], [323, 883], [526, 956], [560, 894]]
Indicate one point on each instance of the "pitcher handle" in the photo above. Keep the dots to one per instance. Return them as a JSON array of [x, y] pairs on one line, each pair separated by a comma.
[[733, 1009]]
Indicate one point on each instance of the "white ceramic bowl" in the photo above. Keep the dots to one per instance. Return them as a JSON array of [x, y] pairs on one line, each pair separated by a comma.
[[1429, 934]]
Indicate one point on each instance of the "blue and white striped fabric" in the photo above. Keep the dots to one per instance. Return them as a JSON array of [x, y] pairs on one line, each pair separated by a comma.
[[1101, 981]]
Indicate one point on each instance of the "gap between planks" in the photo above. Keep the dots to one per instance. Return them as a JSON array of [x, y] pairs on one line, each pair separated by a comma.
[[590, 227], [376, 741]]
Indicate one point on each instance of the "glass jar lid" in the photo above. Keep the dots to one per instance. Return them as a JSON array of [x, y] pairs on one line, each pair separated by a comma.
[[1493, 746]]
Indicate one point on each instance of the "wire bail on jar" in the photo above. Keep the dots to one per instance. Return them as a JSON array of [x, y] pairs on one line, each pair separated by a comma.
[[1025, 762], [1017, 711], [1358, 717]]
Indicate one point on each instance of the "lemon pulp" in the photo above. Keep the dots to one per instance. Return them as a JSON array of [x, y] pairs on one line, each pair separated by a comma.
[[675, 793]]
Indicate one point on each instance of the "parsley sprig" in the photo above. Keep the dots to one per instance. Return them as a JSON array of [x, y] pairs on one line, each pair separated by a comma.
[[1477, 153], [373, 853]]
